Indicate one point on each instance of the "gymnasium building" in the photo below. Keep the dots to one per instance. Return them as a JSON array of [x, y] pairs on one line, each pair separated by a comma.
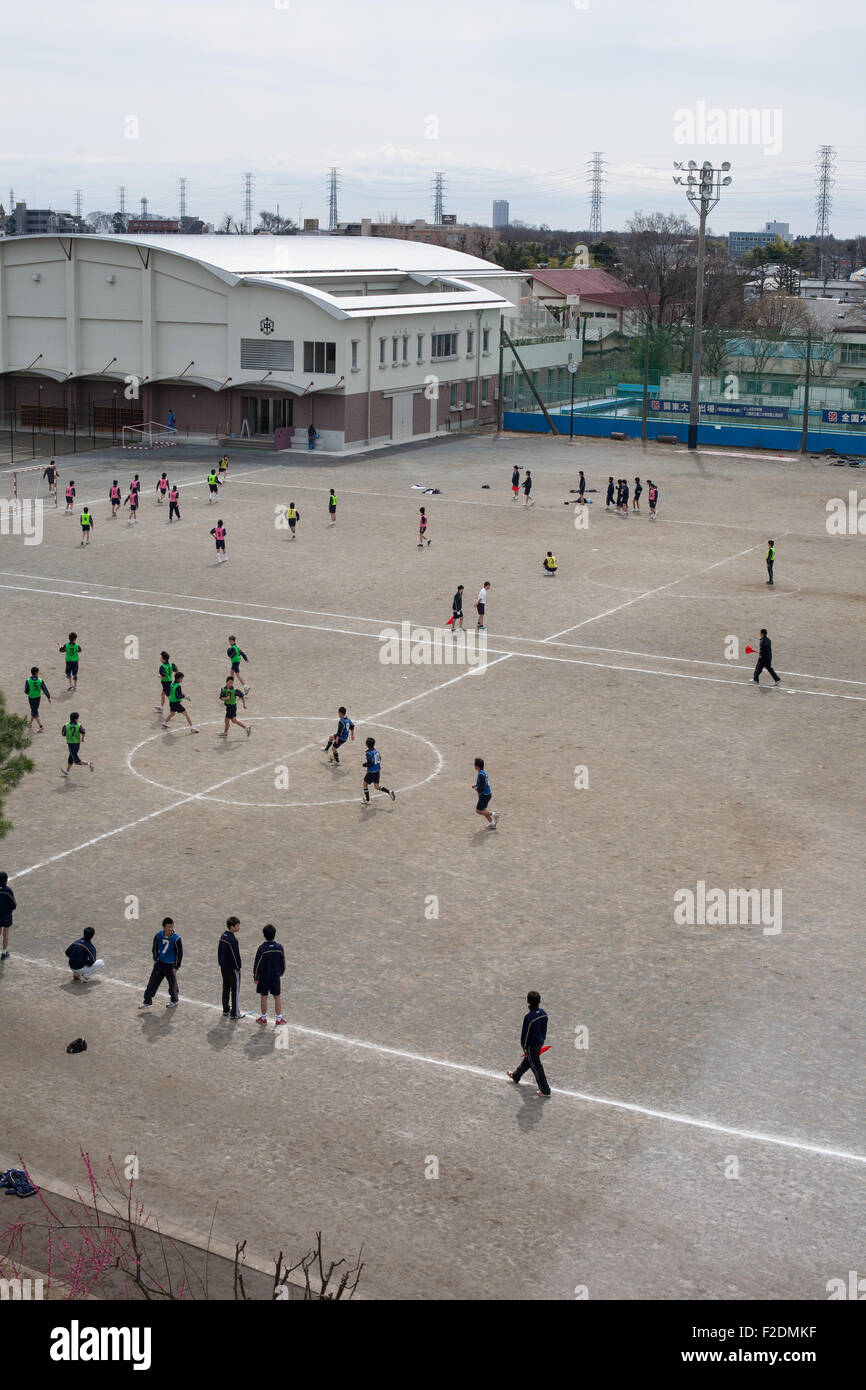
[[369, 339]]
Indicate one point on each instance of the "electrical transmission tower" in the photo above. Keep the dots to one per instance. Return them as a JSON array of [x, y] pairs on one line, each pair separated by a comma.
[[824, 201], [595, 170], [78, 202], [248, 203], [333, 213], [181, 198], [122, 196], [438, 197]]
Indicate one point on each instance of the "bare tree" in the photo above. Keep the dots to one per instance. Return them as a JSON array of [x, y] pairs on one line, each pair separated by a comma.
[[770, 321], [100, 221], [657, 253]]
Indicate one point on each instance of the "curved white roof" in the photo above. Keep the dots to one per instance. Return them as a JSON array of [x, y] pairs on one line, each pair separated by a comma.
[[308, 255]]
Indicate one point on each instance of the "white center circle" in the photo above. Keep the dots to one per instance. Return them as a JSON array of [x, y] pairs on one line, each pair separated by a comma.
[[210, 793]]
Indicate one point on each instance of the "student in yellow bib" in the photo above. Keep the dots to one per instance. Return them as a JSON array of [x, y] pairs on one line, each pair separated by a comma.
[[86, 525], [71, 650], [223, 467], [213, 484], [293, 516], [550, 563]]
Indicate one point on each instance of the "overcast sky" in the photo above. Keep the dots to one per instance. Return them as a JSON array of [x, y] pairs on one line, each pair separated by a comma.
[[508, 99]]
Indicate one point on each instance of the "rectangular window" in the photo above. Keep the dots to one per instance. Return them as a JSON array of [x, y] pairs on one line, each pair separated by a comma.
[[420, 347], [485, 340], [354, 354], [454, 396], [444, 345], [853, 355], [394, 342], [406, 348], [320, 357], [470, 339], [470, 392], [381, 352], [269, 354]]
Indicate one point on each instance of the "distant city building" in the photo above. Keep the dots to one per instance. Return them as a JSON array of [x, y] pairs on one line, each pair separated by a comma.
[[741, 242], [447, 233], [25, 221], [500, 213]]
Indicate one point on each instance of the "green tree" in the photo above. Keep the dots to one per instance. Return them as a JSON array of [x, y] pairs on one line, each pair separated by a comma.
[[13, 763], [603, 254]]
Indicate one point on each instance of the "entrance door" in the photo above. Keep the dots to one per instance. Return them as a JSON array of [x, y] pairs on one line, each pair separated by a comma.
[[401, 417]]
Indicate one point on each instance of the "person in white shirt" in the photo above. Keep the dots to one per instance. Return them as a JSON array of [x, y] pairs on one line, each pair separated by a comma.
[[481, 604]]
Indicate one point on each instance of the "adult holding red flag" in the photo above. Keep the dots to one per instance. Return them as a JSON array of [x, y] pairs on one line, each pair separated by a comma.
[[532, 1038]]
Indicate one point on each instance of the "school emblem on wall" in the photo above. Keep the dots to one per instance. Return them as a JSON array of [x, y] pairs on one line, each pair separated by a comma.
[[266, 326]]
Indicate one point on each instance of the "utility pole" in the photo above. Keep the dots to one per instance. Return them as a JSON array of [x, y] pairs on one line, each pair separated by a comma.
[[333, 214], [438, 197], [703, 189], [805, 431], [248, 203], [595, 169]]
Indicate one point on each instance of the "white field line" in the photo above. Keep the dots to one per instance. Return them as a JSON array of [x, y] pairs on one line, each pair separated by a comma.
[[395, 622], [467, 1068]]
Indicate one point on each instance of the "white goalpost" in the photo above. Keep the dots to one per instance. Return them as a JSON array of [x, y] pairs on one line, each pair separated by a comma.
[[152, 435], [26, 487]]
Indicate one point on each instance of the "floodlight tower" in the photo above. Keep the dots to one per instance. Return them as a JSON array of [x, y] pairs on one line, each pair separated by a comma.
[[703, 189]]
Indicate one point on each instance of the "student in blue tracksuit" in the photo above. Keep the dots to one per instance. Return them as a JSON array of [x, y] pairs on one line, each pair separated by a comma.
[[482, 786], [167, 951], [532, 1037], [229, 961], [82, 957], [345, 731], [372, 769], [268, 969]]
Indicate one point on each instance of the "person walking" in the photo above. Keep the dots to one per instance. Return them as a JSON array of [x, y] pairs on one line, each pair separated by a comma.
[[610, 492], [50, 472], [87, 524], [422, 528], [765, 659], [74, 733], [34, 689], [70, 497], [532, 1036], [167, 951], [527, 489], [229, 695], [7, 907], [771, 560], [481, 786], [167, 671], [171, 422], [176, 698], [114, 497], [173, 502], [81, 954], [312, 436], [268, 969], [515, 484], [481, 603], [229, 960], [293, 516], [625, 493], [213, 485], [161, 489]]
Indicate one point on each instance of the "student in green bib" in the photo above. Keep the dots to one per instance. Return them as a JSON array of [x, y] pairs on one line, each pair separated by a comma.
[[771, 560], [230, 696], [72, 651], [176, 698], [236, 656], [34, 689], [74, 733], [167, 670], [213, 484], [332, 506], [86, 525]]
